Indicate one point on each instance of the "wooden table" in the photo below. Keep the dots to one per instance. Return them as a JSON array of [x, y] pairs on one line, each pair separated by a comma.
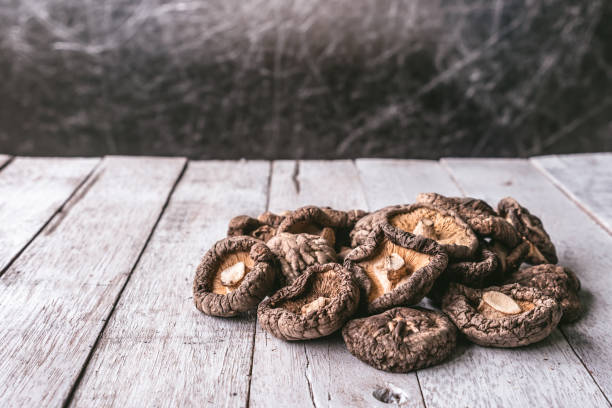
[[97, 258]]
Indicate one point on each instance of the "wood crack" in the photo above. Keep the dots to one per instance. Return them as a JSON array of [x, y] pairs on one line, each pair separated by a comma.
[[314, 404], [295, 176]]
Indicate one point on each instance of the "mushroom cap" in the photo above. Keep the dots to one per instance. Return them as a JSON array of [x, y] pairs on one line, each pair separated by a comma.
[[281, 315], [312, 219], [263, 227], [360, 232], [424, 258], [510, 259], [446, 227], [478, 214], [296, 252], [540, 315], [554, 281], [401, 339], [258, 282], [542, 250]]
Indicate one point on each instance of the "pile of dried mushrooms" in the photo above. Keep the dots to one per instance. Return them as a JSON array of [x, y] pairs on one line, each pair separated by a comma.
[[315, 271]]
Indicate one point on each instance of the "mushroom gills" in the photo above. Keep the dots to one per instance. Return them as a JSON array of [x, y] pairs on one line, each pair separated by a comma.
[[316, 304], [383, 271], [233, 275], [501, 302], [425, 227]]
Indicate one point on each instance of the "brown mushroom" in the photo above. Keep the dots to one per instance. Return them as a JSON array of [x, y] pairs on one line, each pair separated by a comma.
[[316, 304], [360, 232], [501, 316], [296, 252], [542, 250], [443, 226], [333, 225], [395, 268], [478, 214], [554, 281], [510, 259], [263, 227], [401, 339], [234, 276]]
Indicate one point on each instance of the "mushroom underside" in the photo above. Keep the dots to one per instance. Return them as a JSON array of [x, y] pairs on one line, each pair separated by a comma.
[[230, 260], [444, 228], [324, 285], [379, 276]]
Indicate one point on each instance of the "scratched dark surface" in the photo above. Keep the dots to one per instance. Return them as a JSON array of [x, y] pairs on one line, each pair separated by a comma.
[[303, 79]]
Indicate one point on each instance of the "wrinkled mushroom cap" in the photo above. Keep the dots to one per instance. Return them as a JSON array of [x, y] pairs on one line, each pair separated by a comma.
[[542, 250], [554, 281], [484, 325], [317, 304], [423, 261], [360, 232], [213, 297], [296, 252], [482, 271], [509, 259], [478, 214], [443, 226], [333, 225], [401, 339], [263, 227]]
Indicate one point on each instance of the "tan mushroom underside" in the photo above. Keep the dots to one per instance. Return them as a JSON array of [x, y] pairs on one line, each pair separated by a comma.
[[445, 227], [325, 284], [491, 313], [228, 261], [380, 285]]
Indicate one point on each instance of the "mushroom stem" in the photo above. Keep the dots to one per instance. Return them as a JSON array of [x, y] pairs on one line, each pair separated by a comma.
[[425, 227]]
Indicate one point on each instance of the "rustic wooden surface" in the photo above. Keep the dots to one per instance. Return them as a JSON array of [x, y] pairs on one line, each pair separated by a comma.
[[98, 259]]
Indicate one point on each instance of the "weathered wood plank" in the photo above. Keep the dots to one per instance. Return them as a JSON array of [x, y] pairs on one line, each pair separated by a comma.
[[55, 297], [4, 159], [586, 179], [581, 245], [320, 372], [32, 190], [477, 376], [157, 349]]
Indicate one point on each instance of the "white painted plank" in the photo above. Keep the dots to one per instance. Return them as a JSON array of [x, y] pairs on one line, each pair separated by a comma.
[[581, 245], [55, 297], [32, 190], [4, 159], [586, 179], [320, 372], [478, 376], [157, 349]]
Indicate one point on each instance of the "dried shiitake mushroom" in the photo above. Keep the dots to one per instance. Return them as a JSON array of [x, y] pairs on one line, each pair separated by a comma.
[[501, 316], [510, 259], [443, 226], [316, 304], [296, 252], [554, 281], [395, 268], [478, 214], [366, 224], [234, 276], [333, 225], [263, 227], [542, 250], [401, 339]]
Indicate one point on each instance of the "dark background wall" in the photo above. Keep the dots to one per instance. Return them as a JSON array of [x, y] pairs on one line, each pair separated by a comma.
[[317, 78]]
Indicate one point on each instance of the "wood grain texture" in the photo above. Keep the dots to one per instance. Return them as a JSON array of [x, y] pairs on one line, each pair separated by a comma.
[[581, 245], [32, 190], [55, 297], [586, 179], [320, 372], [478, 376], [158, 349]]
